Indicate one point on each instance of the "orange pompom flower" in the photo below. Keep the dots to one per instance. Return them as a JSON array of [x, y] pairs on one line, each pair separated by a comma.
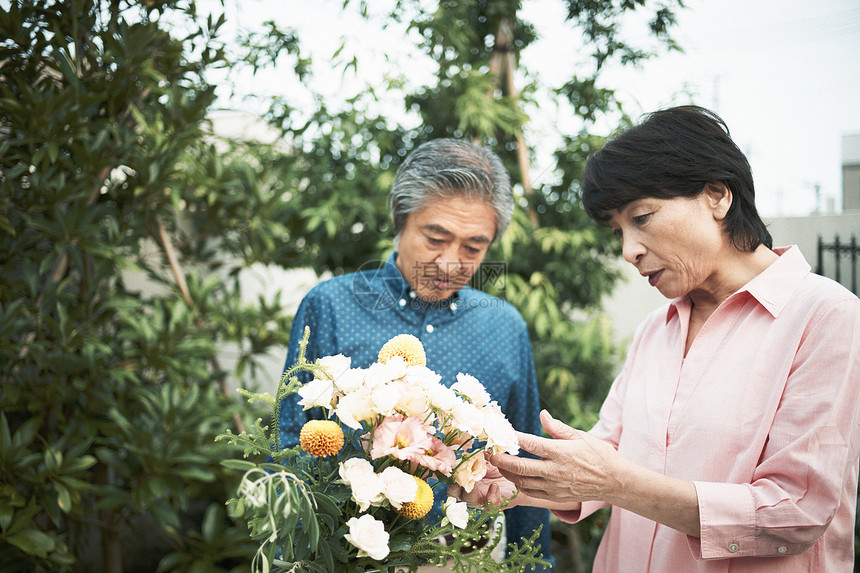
[[406, 346], [321, 438], [422, 504]]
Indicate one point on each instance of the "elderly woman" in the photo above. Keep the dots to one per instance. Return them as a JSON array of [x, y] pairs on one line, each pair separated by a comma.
[[729, 441]]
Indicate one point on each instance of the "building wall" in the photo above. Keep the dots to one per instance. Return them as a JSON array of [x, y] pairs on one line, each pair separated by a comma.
[[851, 187], [851, 172]]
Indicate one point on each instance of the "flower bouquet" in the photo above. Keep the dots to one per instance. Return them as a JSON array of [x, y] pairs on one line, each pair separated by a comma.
[[355, 493]]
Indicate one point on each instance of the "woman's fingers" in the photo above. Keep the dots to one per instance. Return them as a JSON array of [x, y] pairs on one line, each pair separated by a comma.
[[556, 428]]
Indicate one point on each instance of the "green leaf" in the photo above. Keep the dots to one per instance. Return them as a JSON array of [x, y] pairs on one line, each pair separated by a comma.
[[80, 464], [241, 465], [64, 498], [5, 434], [6, 514], [199, 474], [32, 542]]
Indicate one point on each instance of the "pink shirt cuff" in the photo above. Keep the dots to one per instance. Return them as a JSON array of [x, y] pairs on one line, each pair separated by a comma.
[[572, 516], [727, 518]]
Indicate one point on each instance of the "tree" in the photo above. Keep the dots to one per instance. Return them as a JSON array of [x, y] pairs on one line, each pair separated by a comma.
[[112, 393]]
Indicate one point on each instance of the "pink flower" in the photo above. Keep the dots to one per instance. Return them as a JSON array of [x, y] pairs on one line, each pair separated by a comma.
[[401, 438], [438, 457], [470, 472]]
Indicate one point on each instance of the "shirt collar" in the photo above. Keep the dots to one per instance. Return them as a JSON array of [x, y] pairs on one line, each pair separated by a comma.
[[772, 288]]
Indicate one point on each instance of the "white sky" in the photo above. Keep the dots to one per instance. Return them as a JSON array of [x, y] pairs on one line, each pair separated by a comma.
[[783, 74]]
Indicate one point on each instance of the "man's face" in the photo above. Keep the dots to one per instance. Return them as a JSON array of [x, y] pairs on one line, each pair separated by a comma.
[[441, 245]]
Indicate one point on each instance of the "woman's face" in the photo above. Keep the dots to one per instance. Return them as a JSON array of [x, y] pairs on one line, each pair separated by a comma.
[[676, 243]]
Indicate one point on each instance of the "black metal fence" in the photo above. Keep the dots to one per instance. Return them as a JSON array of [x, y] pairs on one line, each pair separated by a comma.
[[840, 251]]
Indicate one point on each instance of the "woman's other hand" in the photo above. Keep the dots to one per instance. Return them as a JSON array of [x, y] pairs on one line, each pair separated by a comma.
[[573, 466]]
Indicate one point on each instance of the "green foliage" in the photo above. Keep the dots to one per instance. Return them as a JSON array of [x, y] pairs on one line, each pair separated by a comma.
[[111, 319]]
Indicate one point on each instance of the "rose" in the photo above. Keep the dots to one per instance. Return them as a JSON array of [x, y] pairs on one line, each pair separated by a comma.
[[369, 536], [354, 469], [365, 485], [456, 513], [398, 486]]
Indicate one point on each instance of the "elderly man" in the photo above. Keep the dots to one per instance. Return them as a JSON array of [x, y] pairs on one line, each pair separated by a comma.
[[450, 200]]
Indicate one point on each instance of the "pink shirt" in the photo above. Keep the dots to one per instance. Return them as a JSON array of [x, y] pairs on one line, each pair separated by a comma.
[[762, 415]]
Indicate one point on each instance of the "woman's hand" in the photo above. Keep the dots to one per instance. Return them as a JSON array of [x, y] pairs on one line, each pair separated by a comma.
[[574, 466], [494, 489]]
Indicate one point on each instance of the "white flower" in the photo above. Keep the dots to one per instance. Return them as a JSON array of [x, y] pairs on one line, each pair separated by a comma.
[[355, 469], [355, 408], [317, 392], [499, 432], [350, 380], [366, 488], [467, 418], [399, 487], [469, 387], [471, 472], [442, 397], [422, 376], [384, 398], [411, 398], [456, 512], [379, 373], [335, 365], [369, 536]]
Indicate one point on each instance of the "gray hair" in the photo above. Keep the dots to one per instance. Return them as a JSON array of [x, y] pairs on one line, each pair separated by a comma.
[[445, 167]]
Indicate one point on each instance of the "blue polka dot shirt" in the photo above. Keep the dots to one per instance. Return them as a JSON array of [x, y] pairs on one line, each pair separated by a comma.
[[471, 332]]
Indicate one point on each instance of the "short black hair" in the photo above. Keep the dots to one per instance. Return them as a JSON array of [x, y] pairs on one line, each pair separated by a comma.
[[675, 152]]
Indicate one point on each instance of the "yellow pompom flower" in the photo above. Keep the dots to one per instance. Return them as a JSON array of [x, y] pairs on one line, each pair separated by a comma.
[[321, 438], [405, 346], [422, 504]]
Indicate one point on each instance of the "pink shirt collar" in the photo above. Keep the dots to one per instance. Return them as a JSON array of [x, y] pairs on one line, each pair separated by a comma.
[[772, 288]]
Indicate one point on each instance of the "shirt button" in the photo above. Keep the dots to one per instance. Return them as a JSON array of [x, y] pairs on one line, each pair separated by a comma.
[[412, 294], [733, 548], [782, 549], [402, 302], [430, 328], [453, 306]]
